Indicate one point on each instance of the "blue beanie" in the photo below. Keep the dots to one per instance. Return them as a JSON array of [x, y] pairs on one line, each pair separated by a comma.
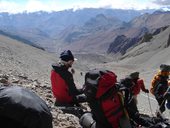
[[168, 104], [66, 55]]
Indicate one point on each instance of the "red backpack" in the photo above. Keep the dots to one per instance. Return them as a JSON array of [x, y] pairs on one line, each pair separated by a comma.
[[101, 86]]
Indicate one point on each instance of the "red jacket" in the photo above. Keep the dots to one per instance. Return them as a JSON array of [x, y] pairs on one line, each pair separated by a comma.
[[60, 88], [63, 86], [139, 84]]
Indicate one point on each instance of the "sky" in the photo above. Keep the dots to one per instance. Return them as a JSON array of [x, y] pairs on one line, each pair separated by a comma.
[[17, 6]]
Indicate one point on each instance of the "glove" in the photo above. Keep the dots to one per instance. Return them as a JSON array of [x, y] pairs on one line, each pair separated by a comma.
[[80, 90], [81, 98], [146, 91], [72, 71]]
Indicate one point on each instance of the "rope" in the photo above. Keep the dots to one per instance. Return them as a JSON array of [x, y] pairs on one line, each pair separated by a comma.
[[150, 104]]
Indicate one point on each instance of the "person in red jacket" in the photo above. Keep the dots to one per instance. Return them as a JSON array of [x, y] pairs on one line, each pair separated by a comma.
[[63, 86], [138, 85]]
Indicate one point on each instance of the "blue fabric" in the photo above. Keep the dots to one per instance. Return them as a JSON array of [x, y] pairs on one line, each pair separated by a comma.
[[168, 104]]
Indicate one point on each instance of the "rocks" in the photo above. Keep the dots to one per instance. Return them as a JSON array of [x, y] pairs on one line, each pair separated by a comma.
[[3, 79], [60, 120]]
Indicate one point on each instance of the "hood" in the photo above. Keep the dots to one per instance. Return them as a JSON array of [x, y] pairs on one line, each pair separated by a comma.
[[59, 67]]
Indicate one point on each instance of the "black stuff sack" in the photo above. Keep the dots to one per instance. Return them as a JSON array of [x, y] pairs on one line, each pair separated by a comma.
[[22, 108]]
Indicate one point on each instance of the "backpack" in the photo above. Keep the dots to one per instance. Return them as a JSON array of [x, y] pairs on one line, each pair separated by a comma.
[[105, 101], [98, 82], [154, 83], [163, 73], [156, 80]]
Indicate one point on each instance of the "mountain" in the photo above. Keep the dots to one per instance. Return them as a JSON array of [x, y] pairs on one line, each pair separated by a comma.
[[30, 67], [44, 29], [18, 58], [155, 20], [92, 26], [144, 44], [152, 53], [107, 40], [141, 29], [17, 37], [90, 30]]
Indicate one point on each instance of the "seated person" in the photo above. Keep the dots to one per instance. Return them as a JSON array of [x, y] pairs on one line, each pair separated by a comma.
[[63, 86]]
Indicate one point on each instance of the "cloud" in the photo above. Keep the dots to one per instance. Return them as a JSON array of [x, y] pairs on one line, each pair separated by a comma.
[[45, 5], [16, 6], [128, 4], [28, 5], [162, 2], [37, 5], [7, 6]]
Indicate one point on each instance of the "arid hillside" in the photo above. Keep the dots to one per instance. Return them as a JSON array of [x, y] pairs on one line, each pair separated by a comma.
[[30, 67]]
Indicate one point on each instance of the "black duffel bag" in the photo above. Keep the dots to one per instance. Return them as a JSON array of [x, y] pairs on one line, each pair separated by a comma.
[[22, 108]]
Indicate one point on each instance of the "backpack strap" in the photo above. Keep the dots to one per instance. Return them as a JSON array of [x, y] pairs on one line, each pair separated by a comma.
[[124, 121], [98, 112], [122, 104], [109, 93]]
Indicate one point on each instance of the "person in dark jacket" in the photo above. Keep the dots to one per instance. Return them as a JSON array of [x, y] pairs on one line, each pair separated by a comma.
[[63, 86], [160, 82], [137, 118]]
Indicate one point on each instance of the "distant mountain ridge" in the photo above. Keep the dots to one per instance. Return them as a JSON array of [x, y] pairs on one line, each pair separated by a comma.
[[140, 30], [20, 39], [105, 41], [44, 29], [151, 21], [93, 25], [122, 43], [152, 53], [102, 31], [59, 20]]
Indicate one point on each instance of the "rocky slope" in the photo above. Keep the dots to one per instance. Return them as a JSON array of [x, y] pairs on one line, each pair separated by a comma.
[[30, 67]]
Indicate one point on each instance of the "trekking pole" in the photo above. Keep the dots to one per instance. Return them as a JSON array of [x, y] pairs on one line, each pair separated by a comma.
[[150, 104], [162, 103]]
